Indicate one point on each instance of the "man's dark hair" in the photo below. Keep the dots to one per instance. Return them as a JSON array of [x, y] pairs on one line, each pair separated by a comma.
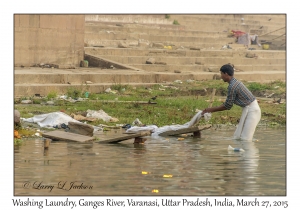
[[227, 68]]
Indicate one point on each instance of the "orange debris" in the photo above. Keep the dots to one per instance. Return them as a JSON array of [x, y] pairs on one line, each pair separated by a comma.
[[16, 134]]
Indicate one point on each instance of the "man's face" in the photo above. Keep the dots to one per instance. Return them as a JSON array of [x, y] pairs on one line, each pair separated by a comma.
[[224, 76]]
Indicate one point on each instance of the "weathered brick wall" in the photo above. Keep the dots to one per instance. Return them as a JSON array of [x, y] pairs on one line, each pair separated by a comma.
[[48, 39]]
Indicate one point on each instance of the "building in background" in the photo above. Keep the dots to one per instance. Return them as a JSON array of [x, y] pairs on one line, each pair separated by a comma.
[[48, 39]]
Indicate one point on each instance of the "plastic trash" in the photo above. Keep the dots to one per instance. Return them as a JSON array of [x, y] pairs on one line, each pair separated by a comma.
[[127, 126], [235, 149], [137, 122], [108, 90], [178, 81], [63, 97], [100, 114], [16, 134], [64, 126]]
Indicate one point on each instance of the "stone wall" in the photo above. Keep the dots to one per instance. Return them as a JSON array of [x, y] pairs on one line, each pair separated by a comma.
[[48, 39], [129, 18]]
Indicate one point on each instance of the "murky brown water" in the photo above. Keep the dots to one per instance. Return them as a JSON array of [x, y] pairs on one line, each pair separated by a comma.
[[198, 167]]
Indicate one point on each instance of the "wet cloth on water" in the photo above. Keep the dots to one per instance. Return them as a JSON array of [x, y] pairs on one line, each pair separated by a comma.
[[158, 130]]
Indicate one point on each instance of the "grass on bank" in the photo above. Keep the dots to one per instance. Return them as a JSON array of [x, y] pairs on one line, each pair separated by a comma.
[[176, 103]]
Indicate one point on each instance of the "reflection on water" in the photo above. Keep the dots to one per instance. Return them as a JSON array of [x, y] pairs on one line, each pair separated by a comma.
[[201, 167]]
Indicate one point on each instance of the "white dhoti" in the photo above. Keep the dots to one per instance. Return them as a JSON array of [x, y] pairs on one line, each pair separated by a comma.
[[250, 118]]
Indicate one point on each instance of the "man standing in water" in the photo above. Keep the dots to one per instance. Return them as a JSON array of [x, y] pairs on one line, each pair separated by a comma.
[[240, 95]]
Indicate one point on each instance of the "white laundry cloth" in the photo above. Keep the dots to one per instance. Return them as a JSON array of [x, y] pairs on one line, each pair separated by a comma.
[[51, 119], [251, 115], [158, 130]]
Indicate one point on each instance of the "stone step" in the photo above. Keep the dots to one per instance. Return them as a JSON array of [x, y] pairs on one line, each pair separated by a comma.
[[196, 26], [21, 90], [175, 45], [102, 27], [233, 22], [219, 30], [141, 44], [139, 80], [194, 20], [102, 37], [141, 19], [136, 25], [195, 67], [97, 75], [157, 38], [207, 23], [258, 20], [241, 27], [246, 17], [148, 18], [217, 44], [129, 60], [113, 34], [184, 52]]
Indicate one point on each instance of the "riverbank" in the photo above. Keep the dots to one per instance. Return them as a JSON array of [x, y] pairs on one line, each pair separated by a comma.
[[176, 103]]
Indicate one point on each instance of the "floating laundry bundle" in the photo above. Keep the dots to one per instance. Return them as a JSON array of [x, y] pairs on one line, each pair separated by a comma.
[[158, 130]]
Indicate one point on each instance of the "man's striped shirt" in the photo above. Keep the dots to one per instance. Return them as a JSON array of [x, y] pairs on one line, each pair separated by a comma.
[[238, 94]]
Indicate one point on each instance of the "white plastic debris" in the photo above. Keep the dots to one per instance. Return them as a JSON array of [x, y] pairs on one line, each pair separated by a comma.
[[63, 97], [190, 81], [100, 114], [26, 102], [178, 81], [235, 149], [137, 122], [107, 90]]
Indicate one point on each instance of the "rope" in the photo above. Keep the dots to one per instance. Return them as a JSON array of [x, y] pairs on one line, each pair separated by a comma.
[[271, 32], [278, 36]]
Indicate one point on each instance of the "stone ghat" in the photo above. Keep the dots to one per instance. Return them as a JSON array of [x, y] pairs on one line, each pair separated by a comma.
[[40, 81], [144, 50]]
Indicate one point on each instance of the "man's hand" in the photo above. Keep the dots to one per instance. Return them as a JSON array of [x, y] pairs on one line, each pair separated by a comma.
[[213, 109], [207, 110]]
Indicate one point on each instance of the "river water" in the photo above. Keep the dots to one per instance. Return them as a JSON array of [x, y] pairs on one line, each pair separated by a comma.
[[163, 166]]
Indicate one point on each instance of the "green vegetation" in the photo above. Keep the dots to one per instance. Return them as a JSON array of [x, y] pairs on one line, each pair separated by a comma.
[[52, 95], [167, 16], [257, 86], [22, 133], [18, 141], [77, 92], [175, 22], [176, 103]]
